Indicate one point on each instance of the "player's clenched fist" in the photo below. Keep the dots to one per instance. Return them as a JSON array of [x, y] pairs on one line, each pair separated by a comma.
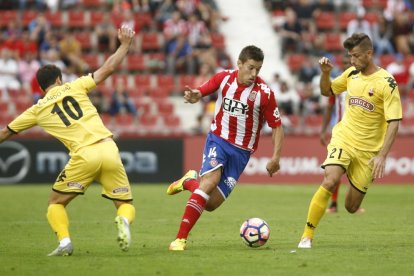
[[125, 34], [325, 64]]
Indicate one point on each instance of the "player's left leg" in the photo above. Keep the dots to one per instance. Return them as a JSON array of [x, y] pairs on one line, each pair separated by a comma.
[[333, 207], [125, 216], [195, 207], [59, 222], [353, 200]]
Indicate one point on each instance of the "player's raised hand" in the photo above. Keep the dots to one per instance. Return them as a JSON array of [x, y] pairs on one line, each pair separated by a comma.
[[325, 65], [191, 95], [125, 35], [272, 167]]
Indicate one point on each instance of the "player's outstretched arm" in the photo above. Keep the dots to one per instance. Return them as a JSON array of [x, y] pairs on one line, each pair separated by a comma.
[[325, 82], [125, 36], [191, 95], [5, 133], [273, 165]]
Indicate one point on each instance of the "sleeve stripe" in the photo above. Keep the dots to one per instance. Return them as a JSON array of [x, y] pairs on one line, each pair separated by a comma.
[[400, 119]]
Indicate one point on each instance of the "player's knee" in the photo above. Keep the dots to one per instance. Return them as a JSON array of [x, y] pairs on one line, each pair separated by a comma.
[[351, 208], [211, 208]]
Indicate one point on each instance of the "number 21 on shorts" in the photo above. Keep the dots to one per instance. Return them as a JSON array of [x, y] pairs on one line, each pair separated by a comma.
[[336, 153]]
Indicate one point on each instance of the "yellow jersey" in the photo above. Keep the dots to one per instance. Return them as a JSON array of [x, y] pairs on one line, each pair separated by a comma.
[[370, 103], [66, 113]]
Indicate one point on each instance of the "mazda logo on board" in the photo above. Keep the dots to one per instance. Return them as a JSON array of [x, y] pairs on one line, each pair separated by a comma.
[[14, 162]]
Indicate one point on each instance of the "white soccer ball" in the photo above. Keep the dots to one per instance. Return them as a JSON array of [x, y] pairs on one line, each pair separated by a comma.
[[254, 232]]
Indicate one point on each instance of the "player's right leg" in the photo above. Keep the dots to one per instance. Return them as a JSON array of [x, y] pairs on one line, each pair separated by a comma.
[[319, 203]]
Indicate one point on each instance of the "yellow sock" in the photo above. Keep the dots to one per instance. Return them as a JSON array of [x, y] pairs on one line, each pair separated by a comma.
[[317, 209], [58, 220], [127, 211]]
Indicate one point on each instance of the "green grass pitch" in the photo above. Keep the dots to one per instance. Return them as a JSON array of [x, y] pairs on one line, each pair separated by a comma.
[[377, 242]]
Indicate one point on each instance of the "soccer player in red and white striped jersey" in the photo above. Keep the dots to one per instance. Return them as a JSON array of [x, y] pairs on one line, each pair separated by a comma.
[[244, 103]]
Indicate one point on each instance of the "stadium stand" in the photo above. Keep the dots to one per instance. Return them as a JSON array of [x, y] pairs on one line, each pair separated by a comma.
[[153, 91]]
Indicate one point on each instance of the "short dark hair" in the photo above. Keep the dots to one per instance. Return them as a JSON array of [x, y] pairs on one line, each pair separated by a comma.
[[251, 52], [358, 39], [47, 75]]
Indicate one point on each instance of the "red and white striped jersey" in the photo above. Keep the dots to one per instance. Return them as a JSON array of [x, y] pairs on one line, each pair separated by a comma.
[[339, 102], [240, 110]]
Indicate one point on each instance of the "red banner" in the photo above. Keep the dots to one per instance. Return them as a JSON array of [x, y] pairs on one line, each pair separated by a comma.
[[301, 161]]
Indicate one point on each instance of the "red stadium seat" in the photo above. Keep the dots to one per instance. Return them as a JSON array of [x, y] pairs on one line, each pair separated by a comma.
[[164, 107], [165, 81], [218, 41], [143, 81], [160, 92], [91, 3], [386, 59], [85, 40], [76, 19], [333, 42], [4, 106], [7, 16], [150, 42], [96, 17], [124, 120], [143, 107], [372, 17], [186, 80], [295, 61], [375, 4], [345, 18], [326, 21], [54, 18], [143, 20], [136, 62], [28, 16], [171, 121], [92, 60], [22, 105], [148, 121]]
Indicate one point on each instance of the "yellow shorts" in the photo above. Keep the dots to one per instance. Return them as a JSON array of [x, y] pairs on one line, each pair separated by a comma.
[[100, 162], [355, 163]]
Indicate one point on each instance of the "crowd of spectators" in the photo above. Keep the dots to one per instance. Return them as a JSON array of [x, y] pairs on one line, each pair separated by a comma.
[[41, 32], [310, 29]]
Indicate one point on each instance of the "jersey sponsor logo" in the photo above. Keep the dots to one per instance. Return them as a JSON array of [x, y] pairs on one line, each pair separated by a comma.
[[230, 182], [234, 107], [252, 96], [75, 185], [14, 162], [361, 103], [120, 190]]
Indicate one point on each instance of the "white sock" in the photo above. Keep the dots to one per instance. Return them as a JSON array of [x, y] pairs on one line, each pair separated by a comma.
[[65, 241], [203, 194]]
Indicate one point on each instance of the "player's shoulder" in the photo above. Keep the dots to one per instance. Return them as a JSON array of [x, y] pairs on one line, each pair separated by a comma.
[[351, 71], [262, 85]]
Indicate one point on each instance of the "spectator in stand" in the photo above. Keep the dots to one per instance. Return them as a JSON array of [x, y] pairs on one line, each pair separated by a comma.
[[98, 100], [403, 33], [307, 71], [304, 10], [399, 70], [106, 33], [394, 8], [288, 99], [382, 37], [52, 56], [359, 25], [26, 44], [164, 12], [411, 77], [50, 42], [120, 101], [9, 73], [71, 52], [291, 32], [198, 34], [38, 28], [28, 67], [275, 83]]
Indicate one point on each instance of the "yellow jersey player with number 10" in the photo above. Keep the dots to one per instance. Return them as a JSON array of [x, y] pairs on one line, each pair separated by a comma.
[[363, 138], [66, 113]]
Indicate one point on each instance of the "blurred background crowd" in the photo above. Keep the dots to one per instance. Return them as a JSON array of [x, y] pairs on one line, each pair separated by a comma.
[[179, 42]]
